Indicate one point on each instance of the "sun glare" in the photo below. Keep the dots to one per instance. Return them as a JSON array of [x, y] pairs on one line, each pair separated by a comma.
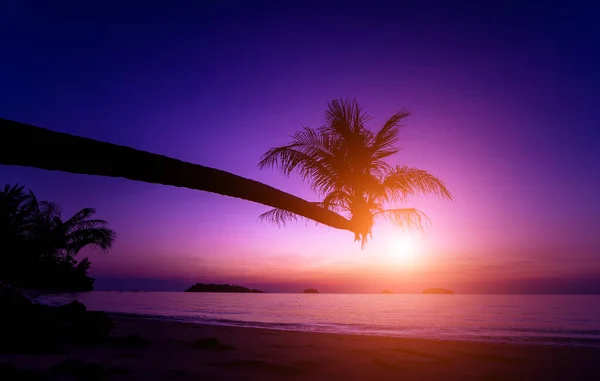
[[405, 250]]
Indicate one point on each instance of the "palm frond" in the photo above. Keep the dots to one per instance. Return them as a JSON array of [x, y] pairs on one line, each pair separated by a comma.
[[31, 204], [345, 118], [405, 181], [81, 221], [85, 224], [312, 141], [102, 237], [83, 265], [387, 136], [337, 200], [310, 154], [14, 194], [82, 215], [288, 159], [406, 218], [50, 210], [279, 217], [307, 139]]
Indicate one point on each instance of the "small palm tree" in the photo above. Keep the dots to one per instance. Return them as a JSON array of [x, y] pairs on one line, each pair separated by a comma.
[[344, 163], [65, 239], [37, 248]]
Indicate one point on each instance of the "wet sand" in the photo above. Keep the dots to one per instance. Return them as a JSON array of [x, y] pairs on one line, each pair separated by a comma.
[[144, 349]]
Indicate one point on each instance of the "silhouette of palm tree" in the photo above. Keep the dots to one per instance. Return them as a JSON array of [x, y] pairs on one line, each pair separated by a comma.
[[12, 216], [344, 163], [60, 239], [12, 222], [26, 145], [37, 247]]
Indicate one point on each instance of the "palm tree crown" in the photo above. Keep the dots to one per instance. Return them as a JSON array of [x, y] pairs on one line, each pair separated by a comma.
[[65, 238], [344, 163]]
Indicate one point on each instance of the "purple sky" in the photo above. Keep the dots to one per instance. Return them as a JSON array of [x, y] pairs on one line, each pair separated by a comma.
[[505, 110]]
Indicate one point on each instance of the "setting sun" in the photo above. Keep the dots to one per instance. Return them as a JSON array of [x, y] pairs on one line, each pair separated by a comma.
[[405, 249]]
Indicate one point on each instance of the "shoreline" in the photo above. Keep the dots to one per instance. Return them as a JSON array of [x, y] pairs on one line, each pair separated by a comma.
[[123, 315], [154, 349], [558, 341]]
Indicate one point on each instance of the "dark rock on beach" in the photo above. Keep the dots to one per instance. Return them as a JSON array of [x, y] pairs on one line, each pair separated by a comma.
[[29, 327], [93, 327]]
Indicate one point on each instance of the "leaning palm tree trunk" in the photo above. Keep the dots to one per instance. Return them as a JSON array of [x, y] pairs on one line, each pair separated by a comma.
[[30, 146]]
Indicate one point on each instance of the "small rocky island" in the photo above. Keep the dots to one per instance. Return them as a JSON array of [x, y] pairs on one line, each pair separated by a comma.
[[437, 291], [213, 287], [311, 291], [386, 292]]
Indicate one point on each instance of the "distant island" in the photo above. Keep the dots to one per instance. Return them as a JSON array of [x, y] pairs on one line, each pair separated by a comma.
[[311, 291], [386, 292], [212, 287], [437, 291]]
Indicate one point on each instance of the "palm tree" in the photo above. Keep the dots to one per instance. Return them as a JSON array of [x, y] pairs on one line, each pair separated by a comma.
[[12, 216], [38, 247], [63, 240], [345, 164], [26, 145], [12, 222]]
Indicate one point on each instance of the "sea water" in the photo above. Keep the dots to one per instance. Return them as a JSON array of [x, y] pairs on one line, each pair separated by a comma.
[[535, 319]]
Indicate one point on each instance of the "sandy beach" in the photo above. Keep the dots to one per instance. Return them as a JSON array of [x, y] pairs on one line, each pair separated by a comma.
[[144, 349]]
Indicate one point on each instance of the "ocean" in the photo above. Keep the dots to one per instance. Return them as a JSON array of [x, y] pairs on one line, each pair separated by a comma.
[[527, 319]]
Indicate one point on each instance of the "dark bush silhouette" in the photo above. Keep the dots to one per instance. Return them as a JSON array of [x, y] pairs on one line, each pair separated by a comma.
[[38, 248]]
